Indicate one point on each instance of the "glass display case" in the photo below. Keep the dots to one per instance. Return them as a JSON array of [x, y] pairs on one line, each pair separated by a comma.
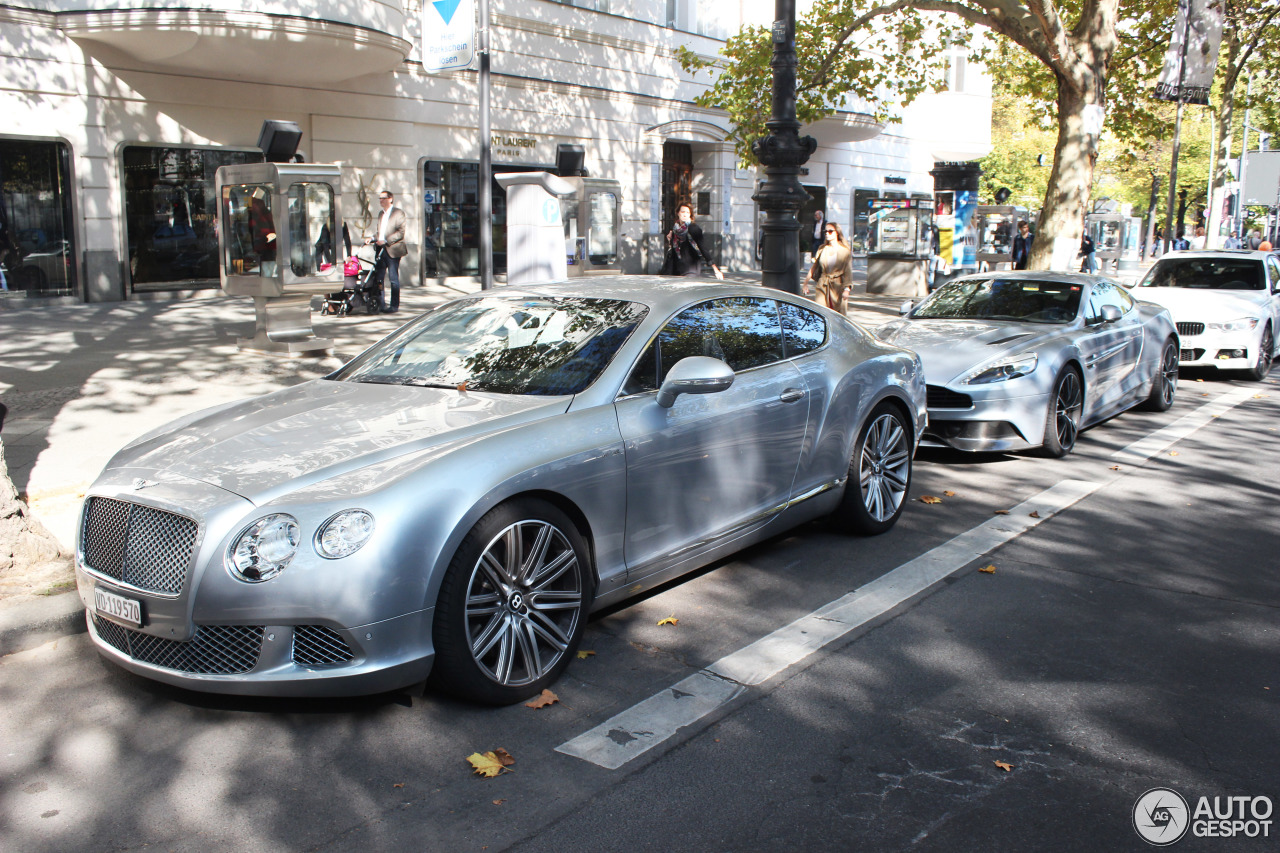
[[901, 228]]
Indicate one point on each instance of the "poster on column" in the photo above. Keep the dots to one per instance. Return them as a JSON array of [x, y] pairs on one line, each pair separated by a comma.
[[448, 35], [965, 245]]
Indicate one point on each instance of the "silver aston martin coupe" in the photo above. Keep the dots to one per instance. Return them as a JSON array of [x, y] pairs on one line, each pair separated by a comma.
[[1018, 360], [457, 499]]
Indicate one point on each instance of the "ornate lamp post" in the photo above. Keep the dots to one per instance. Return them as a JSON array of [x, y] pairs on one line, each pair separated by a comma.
[[783, 151]]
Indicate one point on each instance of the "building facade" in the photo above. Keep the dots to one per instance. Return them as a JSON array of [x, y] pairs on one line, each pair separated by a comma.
[[119, 112]]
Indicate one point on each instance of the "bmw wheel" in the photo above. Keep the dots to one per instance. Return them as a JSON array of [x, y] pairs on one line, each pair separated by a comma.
[[879, 473], [1062, 421], [513, 604], [1262, 366]]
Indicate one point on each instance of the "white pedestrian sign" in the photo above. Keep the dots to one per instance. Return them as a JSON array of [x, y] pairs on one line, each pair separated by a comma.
[[448, 34]]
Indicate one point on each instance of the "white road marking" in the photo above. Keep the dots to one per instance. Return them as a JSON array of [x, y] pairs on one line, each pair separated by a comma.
[[650, 722], [1165, 437]]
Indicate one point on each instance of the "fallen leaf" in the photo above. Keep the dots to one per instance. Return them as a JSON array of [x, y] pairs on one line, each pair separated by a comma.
[[1115, 467], [542, 700], [398, 785], [1003, 766], [670, 620], [1173, 453], [989, 570], [498, 802], [583, 654], [490, 764], [1034, 514], [930, 499], [463, 387], [1199, 380], [1002, 512], [949, 494]]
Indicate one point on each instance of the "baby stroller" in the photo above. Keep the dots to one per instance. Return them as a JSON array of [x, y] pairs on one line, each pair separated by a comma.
[[359, 294]]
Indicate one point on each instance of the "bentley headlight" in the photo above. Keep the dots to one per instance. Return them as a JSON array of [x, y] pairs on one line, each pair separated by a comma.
[[1011, 369], [264, 548], [344, 534], [1244, 324]]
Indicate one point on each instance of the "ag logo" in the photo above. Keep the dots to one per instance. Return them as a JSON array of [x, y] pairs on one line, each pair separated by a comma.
[[1161, 816]]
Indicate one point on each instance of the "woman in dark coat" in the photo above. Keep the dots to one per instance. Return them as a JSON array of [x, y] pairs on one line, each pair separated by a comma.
[[685, 248]]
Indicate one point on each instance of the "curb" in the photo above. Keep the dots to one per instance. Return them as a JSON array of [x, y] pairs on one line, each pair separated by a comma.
[[30, 624]]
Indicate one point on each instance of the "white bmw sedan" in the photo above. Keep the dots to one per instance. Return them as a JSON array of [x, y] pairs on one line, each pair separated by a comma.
[[1226, 305]]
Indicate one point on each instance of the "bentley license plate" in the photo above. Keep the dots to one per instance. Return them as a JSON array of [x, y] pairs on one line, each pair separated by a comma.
[[117, 607]]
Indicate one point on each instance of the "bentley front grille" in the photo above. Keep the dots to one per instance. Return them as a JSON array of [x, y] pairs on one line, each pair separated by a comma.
[[937, 397], [147, 548], [214, 650], [1188, 329], [315, 645]]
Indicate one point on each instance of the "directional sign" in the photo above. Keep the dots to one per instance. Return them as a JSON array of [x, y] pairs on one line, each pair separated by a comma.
[[448, 34]]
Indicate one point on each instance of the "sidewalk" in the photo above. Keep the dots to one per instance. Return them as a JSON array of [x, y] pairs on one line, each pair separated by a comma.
[[77, 382]]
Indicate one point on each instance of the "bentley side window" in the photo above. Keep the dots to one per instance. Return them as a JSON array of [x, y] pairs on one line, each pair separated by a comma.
[[802, 330]]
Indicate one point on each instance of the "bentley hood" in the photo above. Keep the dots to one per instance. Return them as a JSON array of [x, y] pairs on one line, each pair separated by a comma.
[[261, 447], [951, 348], [1204, 306]]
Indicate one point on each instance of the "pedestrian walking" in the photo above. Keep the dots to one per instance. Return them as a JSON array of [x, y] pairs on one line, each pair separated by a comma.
[[832, 270], [1022, 246], [1087, 249], [685, 250]]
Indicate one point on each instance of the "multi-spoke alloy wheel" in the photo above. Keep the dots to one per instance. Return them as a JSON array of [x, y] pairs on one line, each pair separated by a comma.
[[523, 603], [512, 605], [1165, 383], [879, 473], [1266, 350], [1062, 425]]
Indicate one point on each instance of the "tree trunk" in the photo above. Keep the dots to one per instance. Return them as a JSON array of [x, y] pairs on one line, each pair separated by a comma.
[[1061, 223], [31, 558]]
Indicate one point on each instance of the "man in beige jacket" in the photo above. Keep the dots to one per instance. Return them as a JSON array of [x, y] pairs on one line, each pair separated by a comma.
[[390, 234]]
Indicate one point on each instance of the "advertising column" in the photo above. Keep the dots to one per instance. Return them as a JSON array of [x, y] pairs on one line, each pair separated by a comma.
[[956, 205]]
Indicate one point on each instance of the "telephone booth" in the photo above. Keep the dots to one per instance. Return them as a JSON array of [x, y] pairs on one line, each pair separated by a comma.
[[1115, 240], [591, 221], [903, 239], [997, 226], [279, 241]]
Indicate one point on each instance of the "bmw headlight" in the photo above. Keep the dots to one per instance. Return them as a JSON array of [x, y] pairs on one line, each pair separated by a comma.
[[1012, 369], [264, 548], [344, 534], [1244, 324]]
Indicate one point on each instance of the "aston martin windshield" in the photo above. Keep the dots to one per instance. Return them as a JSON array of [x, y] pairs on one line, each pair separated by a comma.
[[507, 345], [1022, 300], [1206, 274]]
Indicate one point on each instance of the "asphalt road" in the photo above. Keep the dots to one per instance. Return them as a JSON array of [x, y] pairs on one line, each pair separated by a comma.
[[1126, 641]]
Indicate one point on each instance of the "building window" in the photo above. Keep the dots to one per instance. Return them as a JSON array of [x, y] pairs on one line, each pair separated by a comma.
[[451, 218], [37, 242], [861, 218], [170, 211], [704, 17], [596, 5]]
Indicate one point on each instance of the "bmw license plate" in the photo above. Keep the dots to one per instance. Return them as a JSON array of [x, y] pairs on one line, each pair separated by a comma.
[[117, 607]]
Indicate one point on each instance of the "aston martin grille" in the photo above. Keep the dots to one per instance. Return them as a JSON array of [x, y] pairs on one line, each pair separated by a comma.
[[937, 397], [214, 650], [144, 547], [1186, 329], [315, 645]]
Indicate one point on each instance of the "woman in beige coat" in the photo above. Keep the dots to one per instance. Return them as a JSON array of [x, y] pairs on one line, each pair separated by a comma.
[[832, 269]]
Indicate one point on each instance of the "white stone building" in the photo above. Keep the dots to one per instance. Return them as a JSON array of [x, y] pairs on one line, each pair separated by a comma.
[[118, 112]]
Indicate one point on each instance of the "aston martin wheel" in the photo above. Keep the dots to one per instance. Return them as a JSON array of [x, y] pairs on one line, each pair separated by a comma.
[[879, 474], [1266, 350], [1062, 421], [512, 605], [1165, 383]]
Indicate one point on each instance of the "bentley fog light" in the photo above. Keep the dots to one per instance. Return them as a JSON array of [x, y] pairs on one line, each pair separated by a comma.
[[344, 533], [1244, 324], [1003, 371], [264, 548]]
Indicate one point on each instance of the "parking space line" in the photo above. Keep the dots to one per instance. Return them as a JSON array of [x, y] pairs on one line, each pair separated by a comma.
[[650, 722], [1165, 437]]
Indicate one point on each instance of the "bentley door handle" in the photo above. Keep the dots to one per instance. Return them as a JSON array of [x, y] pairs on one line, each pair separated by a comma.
[[790, 395]]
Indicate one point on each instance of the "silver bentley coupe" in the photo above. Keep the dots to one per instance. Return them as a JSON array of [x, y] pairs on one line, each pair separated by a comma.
[[1018, 360], [457, 499]]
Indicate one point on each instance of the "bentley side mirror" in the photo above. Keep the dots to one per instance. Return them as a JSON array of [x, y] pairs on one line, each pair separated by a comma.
[[905, 308], [697, 374]]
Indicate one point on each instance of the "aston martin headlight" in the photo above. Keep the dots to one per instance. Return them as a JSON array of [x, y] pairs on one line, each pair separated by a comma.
[[1011, 369], [264, 548], [1244, 324], [344, 534]]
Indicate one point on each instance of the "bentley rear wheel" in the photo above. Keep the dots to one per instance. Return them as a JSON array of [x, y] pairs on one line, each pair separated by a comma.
[[879, 474]]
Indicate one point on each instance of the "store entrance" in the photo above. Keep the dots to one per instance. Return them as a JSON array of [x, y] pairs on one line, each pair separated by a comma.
[[37, 242], [677, 180]]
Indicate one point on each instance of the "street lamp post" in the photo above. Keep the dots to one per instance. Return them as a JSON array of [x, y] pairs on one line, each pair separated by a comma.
[[783, 151]]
